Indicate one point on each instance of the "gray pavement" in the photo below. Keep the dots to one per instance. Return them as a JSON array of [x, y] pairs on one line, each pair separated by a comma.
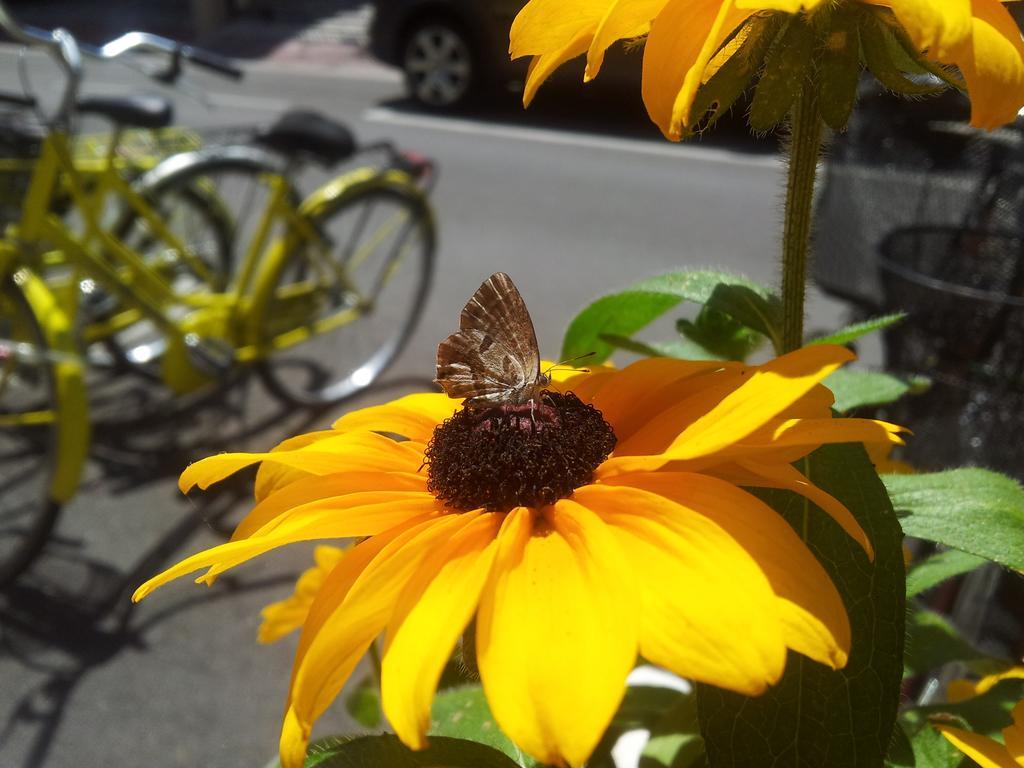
[[568, 210]]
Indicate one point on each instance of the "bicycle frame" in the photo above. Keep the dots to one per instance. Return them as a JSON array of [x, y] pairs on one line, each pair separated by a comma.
[[231, 316], [72, 413]]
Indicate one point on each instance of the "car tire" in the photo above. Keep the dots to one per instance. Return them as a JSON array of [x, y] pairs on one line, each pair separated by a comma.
[[440, 65]]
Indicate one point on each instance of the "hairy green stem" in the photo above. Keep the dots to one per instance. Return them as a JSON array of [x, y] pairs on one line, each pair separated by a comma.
[[804, 150]]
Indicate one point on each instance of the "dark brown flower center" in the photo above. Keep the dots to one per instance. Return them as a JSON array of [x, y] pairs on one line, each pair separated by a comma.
[[509, 455]]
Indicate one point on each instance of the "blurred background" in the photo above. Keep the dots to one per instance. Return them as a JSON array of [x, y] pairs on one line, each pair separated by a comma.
[[576, 196]]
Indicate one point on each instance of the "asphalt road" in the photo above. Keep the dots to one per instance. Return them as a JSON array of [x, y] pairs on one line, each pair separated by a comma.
[[569, 206]]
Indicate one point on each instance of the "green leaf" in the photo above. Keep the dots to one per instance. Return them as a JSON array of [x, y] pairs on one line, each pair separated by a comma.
[[386, 751], [363, 703], [720, 334], [674, 741], [857, 330], [933, 641], [839, 68], [901, 752], [463, 713], [728, 83], [881, 54], [751, 310], [625, 312], [641, 706], [854, 389], [973, 510], [671, 750], [681, 349], [939, 567], [815, 716], [783, 75], [931, 750]]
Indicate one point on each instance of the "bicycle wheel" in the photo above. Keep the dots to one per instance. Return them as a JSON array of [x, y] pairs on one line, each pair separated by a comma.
[[192, 211], [28, 435], [341, 309]]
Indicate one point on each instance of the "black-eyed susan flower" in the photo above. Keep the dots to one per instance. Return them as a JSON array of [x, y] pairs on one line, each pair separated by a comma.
[[604, 521], [690, 41], [989, 753]]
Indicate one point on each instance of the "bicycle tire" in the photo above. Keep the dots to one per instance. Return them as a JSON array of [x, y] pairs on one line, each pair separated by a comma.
[[304, 379], [208, 236], [26, 381]]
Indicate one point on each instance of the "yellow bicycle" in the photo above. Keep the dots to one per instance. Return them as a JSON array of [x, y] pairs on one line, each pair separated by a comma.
[[358, 248]]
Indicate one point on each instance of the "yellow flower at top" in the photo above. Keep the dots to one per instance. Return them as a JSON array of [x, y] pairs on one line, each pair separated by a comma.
[[989, 753], [603, 521], [687, 40]]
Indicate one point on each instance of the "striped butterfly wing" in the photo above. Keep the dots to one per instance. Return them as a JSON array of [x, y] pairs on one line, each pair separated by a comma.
[[494, 356]]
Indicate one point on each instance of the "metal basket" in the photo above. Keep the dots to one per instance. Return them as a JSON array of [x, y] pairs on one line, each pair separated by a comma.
[[894, 169], [964, 293]]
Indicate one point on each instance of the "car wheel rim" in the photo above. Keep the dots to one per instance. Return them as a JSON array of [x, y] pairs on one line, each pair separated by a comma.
[[438, 64]]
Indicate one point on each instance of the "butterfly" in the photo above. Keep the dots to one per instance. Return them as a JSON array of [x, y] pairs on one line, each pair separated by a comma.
[[493, 358]]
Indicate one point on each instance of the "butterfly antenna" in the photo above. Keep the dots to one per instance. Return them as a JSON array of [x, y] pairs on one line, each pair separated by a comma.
[[562, 364]]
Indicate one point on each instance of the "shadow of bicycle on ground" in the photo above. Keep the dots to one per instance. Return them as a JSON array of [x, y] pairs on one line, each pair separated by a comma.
[[71, 612]]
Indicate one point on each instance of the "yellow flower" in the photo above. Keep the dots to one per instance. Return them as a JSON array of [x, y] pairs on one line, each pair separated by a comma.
[[572, 560], [961, 690], [285, 616], [987, 752], [685, 36]]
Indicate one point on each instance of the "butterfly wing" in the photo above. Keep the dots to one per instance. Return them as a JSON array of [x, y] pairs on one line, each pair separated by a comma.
[[495, 353]]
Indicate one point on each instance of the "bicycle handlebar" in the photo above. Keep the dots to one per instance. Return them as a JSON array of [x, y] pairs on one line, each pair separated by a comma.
[[147, 42], [212, 62]]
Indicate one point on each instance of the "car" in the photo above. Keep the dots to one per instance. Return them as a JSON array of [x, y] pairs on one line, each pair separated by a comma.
[[449, 50]]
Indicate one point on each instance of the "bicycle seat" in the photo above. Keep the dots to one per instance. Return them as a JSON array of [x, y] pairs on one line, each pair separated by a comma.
[[139, 111], [300, 131]]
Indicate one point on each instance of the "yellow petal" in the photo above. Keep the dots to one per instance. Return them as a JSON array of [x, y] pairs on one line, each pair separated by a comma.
[[683, 38], [584, 386], [270, 477], [707, 610], [642, 391], [359, 514], [814, 620], [813, 433], [431, 614], [565, 377], [556, 632], [1014, 735], [936, 27], [545, 26], [782, 475], [413, 416], [338, 583], [624, 19], [352, 452], [285, 616], [706, 423], [992, 62], [340, 637], [309, 489], [984, 751], [542, 66]]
